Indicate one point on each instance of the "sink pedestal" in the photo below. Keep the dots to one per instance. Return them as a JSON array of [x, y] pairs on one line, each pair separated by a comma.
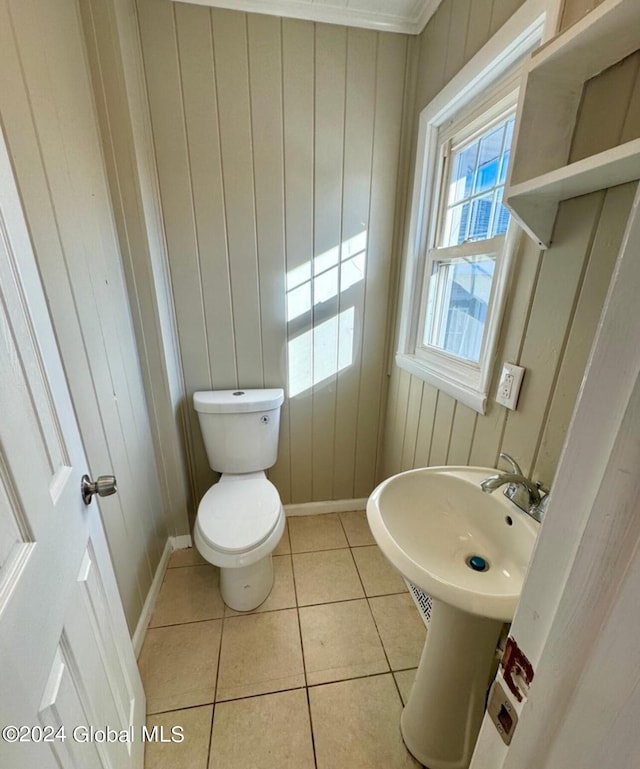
[[441, 720], [469, 551]]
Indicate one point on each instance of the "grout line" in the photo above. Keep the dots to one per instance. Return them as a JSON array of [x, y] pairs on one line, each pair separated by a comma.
[[322, 550], [189, 566], [273, 611], [344, 531], [391, 670], [313, 737], [375, 624], [306, 685], [304, 663], [261, 694], [355, 563], [281, 691], [215, 690], [231, 699], [395, 681], [187, 622], [177, 710], [349, 600], [268, 693], [373, 616], [358, 678], [210, 746], [297, 608]]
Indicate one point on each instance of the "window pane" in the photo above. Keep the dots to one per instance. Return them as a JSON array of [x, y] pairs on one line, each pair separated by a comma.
[[501, 216], [464, 166], [458, 298], [507, 153], [477, 171], [481, 209], [502, 177], [456, 225], [489, 160]]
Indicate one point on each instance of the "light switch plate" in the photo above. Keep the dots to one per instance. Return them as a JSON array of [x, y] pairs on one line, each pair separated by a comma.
[[509, 385]]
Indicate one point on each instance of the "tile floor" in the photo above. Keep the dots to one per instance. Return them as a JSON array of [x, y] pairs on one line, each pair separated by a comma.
[[314, 678]]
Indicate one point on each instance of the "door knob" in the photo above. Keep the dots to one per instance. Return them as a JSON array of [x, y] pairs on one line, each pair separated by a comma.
[[103, 487]]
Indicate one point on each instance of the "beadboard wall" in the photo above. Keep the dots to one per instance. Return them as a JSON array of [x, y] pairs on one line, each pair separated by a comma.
[[556, 296], [277, 144], [50, 127], [574, 10]]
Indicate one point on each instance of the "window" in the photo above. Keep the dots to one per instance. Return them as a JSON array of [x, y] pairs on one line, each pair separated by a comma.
[[469, 237], [462, 239]]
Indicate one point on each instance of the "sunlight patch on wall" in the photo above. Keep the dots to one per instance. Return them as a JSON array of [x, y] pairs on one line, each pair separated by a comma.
[[321, 352], [321, 341]]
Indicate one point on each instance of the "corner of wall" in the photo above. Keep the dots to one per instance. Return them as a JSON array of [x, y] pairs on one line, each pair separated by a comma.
[[400, 230], [115, 59]]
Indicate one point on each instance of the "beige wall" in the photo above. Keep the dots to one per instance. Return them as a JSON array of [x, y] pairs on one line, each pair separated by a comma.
[[115, 60], [276, 141], [574, 10], [47, 114], [457, 31], [555, 299]]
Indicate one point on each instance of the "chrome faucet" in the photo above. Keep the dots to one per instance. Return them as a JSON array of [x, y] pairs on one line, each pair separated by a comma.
[[523, 492]]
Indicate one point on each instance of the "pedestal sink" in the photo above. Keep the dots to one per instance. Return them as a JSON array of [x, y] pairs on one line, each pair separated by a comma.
[[469, 551]]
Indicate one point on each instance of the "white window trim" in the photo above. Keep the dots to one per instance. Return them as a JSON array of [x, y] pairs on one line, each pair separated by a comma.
[[518, 36]]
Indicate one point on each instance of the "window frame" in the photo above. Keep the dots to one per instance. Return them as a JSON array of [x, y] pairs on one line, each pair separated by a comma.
[[489, 246], [485, 111], [488, 80]]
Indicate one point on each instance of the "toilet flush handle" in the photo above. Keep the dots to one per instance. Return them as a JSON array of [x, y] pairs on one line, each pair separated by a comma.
[[104, 486]]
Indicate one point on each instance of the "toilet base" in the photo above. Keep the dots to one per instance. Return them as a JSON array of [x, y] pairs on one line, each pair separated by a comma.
[[244, 588]]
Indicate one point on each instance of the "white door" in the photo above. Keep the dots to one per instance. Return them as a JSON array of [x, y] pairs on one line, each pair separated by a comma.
[[66, 659], [578, 620]]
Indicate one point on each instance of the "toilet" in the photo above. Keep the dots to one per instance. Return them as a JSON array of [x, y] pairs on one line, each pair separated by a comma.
[[240, 519]]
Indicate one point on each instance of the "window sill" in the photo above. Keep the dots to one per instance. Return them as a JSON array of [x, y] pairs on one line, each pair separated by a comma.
[[468, 396]]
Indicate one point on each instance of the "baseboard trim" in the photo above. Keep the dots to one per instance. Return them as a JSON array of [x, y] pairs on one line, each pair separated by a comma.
[[179, 543], [330, 506], [173, 543]]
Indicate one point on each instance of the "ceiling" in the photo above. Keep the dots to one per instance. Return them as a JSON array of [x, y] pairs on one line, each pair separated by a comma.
[[409, 16]]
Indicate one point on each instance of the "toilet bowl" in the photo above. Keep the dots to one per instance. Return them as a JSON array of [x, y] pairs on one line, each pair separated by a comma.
[[239, 523], [240, 519]]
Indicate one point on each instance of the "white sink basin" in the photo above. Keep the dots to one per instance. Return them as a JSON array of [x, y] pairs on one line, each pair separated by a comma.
[[429, 522]]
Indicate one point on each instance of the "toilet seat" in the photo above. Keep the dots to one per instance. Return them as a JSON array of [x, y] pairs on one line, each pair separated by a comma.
[[238, 516]]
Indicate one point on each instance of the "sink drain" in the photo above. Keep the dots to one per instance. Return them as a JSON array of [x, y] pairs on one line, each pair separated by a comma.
[[477, 563]]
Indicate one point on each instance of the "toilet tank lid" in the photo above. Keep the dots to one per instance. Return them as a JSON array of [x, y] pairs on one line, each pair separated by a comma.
[[230, 401]]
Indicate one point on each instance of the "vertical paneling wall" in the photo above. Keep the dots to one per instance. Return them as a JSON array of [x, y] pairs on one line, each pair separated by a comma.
[[574, 10], [277, 144], [115, 61], [47, 115], [556, 296]]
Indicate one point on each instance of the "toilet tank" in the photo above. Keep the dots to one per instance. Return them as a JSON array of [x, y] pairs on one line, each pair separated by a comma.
[[240, 428]]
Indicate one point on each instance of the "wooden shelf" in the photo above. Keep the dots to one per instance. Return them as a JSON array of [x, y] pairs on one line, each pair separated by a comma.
[[552, 89]]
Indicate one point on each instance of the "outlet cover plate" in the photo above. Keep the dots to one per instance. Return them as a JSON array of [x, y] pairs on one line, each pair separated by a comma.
[[509, 385]]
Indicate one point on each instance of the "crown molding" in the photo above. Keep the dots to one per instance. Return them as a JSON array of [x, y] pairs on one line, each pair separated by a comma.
[[331, 14]]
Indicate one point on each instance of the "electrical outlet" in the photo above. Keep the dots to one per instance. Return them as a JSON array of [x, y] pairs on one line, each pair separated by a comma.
[[509, 385]]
